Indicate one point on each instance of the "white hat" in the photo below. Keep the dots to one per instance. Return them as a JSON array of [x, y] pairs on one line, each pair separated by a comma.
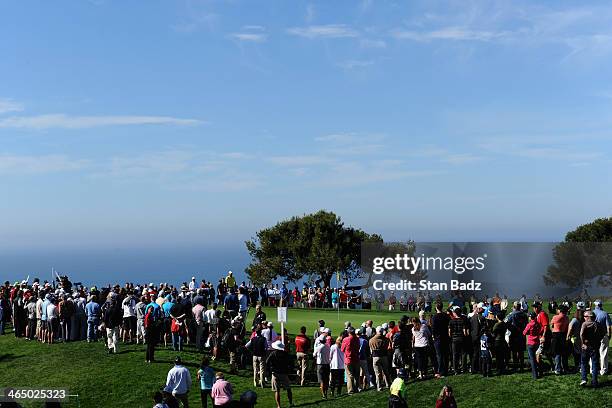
[[322, 338], [326, 330], [597, 302], [270, 324], [229, 272], [278, 345], [379, 329], [480, 305]]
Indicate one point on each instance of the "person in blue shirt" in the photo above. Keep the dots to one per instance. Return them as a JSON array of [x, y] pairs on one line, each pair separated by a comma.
[[602, 318], [284, 293], [93, 311], [485, 353], [166, 306], [334, 298], [206, 376], [231, 303]]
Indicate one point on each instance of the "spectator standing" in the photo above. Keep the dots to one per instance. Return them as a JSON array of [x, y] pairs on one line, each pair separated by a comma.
[[206, 377], [302, 347], [278, 362], [221, 392], [336, 357], [178, 382], [322, 358]]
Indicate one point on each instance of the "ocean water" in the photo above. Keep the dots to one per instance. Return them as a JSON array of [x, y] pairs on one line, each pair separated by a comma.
[[120, 265]]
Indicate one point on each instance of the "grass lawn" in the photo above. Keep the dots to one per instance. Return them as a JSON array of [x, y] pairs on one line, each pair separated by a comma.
[[125, 380]]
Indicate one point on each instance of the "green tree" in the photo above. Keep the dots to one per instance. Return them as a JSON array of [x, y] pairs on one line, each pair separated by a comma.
[[585, 256], [315, 246]]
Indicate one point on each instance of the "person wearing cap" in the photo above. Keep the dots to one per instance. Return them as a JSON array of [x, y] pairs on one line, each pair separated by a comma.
[[398, 392], [278, 364], [602, 318], [93, 312], [230, 281], [269, 334], [573, 336], [457, 331], [350, 348], [178, 382], [322, 358], [336, 365], [533, 331], [590, 335], [379, 345], [420, 342], [364, 358], [517, 321]]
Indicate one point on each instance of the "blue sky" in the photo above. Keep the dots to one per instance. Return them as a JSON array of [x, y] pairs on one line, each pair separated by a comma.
[[193, 124]]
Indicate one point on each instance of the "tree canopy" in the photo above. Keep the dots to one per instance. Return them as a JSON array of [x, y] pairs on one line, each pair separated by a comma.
[[315, 245], [585, 257]]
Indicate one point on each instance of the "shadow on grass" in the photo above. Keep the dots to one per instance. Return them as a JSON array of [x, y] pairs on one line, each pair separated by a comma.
[[8, 357]]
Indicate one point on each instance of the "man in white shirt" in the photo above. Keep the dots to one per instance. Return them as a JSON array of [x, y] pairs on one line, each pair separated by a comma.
[[129, 318], [39, 304], [269, 334], [52, 323], [178, 382]]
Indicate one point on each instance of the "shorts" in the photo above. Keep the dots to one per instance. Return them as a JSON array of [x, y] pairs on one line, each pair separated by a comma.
[[129, 323], [363, 365], [167, 325], [323, 373], [280, 381]]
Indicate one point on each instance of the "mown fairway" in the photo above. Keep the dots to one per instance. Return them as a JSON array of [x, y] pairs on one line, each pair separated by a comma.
[[125, 380]]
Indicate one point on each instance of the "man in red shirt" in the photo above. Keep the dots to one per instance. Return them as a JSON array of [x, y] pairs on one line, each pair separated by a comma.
[[302, 347], [350, 348], [542, 319]]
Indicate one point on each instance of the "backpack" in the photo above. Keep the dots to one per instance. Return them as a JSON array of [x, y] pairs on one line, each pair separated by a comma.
[[151, 317], [228, 341]]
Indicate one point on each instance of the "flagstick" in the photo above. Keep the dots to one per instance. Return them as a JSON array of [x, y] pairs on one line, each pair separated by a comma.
[[338, 292]]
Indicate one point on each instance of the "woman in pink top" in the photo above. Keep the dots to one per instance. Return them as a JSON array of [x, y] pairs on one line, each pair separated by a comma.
[[221, 391], [533, 331], [560, 324]]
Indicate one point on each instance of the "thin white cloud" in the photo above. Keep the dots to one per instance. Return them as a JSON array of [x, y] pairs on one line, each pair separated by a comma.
[[9, 105], [449, 33], [24, 164], [445, 156], [249, 37], [63, 121], [541, 151], [324, 31], [300, 160]]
